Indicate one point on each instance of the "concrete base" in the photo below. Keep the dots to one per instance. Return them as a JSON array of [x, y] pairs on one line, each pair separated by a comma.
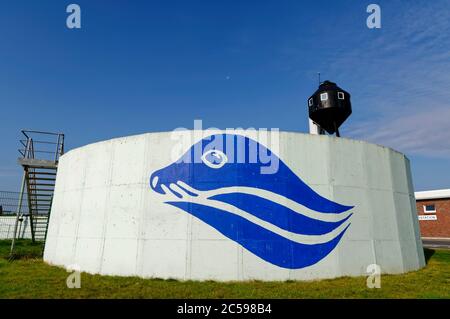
[[107, 218]]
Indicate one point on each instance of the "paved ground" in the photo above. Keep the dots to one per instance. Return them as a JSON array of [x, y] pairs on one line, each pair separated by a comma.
[[436, 243]]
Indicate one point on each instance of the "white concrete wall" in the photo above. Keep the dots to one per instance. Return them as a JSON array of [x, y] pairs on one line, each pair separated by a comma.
[[106, 219]]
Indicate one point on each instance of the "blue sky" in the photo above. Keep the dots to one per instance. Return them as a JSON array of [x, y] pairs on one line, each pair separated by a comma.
[[142, 66]]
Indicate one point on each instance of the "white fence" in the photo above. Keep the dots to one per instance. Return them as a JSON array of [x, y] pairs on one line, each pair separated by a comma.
[[7, 227]]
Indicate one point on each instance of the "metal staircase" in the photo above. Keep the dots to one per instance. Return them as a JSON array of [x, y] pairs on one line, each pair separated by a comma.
[[40, 156], [40, 185]]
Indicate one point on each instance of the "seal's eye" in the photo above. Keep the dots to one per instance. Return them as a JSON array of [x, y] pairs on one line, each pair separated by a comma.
[[214, 158]]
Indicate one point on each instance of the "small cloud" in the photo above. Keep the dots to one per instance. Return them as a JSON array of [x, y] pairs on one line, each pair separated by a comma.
[[424, 133]]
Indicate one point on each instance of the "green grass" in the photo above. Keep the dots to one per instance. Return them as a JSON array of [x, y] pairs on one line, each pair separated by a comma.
[[27, 276]]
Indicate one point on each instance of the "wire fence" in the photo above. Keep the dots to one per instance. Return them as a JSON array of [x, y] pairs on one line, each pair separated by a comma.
[[9, 203], [9, 206]]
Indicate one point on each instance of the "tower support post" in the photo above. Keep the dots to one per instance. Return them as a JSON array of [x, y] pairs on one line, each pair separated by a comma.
[[315, 129]]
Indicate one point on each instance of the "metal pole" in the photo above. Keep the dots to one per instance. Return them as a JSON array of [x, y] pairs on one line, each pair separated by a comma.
[[62, 145], [19, 208], [336, 128], [57, 149]]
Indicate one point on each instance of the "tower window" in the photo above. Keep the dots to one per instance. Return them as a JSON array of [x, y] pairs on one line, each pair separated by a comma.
[[429, 208], [324, 96], [340, 95], [310, 102]]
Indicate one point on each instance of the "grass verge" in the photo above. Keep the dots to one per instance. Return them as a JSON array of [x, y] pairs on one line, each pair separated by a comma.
[[27, 276]]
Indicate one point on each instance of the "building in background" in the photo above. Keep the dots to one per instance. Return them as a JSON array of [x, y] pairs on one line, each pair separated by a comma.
[[433, 208]]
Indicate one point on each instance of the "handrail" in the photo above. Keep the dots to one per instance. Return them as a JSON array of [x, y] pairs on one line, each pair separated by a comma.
[[35, 144], [40, 142], [39, 132], [46, 152]]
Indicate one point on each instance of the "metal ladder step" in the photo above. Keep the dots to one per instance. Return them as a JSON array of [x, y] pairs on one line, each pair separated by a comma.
[[43, 184], [41, 179]]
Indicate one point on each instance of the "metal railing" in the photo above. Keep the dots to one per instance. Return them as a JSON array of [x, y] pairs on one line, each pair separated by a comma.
[[42, 145]]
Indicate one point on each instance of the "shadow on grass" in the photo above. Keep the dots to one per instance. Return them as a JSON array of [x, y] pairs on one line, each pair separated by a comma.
[[428, 254]]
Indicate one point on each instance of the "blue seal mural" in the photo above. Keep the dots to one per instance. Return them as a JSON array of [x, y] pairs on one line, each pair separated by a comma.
[[275, 216]]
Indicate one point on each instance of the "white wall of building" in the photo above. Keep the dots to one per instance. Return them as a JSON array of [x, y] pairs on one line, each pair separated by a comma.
[[107, 220]]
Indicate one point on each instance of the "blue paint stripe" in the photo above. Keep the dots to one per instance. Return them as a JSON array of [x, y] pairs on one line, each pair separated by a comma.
[[278, 215], [263, 243]]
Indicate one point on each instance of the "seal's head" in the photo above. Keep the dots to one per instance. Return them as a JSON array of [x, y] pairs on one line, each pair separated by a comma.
[[220, 160], [231, 160]]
